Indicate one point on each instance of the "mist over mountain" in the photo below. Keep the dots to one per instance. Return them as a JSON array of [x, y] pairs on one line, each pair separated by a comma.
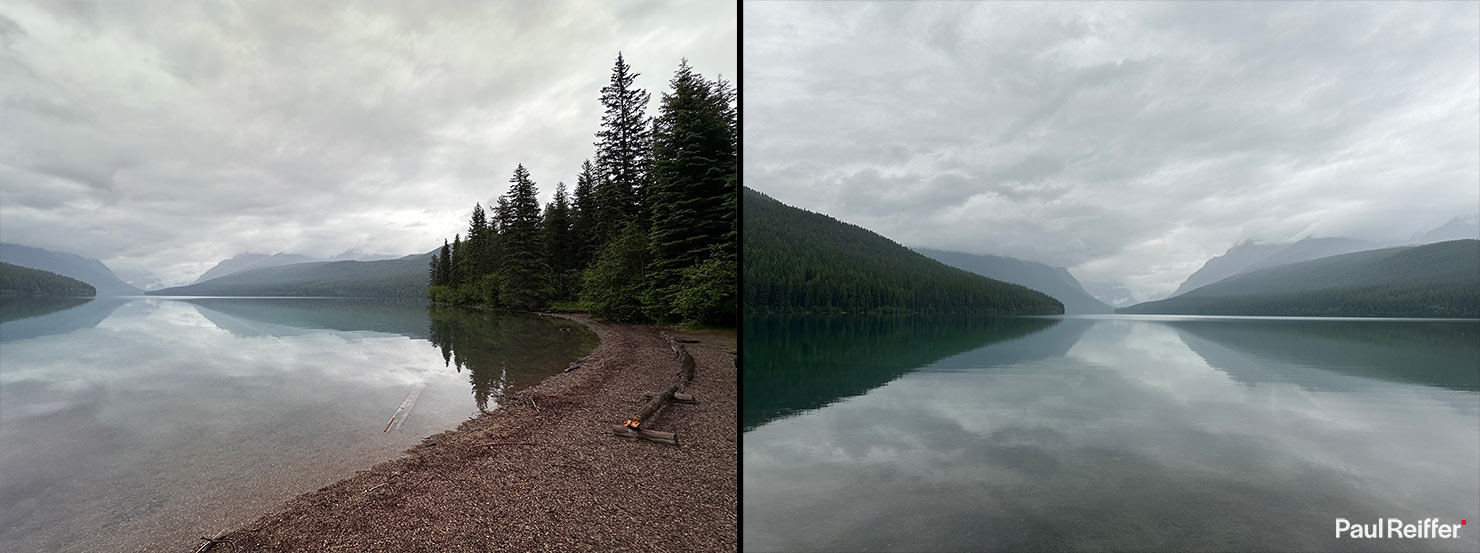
[[1113, 293], [70, 265], [1433, 280], [1054, 281], [1458, 228], [402, 277]]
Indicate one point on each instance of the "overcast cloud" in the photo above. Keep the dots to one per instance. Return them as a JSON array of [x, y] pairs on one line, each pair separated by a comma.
[[1128, 142], [168, 136]]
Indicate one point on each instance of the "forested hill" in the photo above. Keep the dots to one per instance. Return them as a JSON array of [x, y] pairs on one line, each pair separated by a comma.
[[799, 261], [16, 280], [1434, 280], [1054, 281], [404, 277]]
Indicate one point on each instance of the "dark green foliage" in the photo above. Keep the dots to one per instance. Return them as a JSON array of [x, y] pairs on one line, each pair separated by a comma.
[[16, 280], [442, 273], [799, 261], [614, 286], [1434, 280], [523, 266], [707, 293], [583, 218], [692, 190], [597, 244], [623, 152], [560, 249]]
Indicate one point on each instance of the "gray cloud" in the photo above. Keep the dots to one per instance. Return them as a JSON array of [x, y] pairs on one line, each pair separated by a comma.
[[168, 137], [1127, 141]]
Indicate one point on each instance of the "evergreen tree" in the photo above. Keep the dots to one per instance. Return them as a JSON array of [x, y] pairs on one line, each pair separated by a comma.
[[623, 151], [559, 248], [524, 270], [614, 284], [692, 191], [479, 245], [459, 271], [444, 265], [583, 219]]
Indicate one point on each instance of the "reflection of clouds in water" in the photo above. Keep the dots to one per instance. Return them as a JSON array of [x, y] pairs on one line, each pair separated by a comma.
[[1130, 419]]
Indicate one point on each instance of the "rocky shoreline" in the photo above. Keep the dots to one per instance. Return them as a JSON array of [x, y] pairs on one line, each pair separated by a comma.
[[544, 471]]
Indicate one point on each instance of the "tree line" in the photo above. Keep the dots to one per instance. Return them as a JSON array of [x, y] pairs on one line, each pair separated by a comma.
[[16, 280], [649, 232]]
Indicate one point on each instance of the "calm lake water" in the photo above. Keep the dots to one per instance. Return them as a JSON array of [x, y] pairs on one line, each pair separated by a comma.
[[131, 423], [1106, 433]]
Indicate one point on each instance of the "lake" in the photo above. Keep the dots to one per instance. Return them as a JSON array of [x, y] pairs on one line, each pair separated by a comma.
[[1106, 433], [130, 423]]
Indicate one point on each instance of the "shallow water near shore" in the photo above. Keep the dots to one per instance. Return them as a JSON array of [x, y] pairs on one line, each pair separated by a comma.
[[1107, 433], [130, 423]]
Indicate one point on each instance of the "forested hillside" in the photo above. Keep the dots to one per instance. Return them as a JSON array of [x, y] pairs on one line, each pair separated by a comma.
[[69, 265], [16, 280], [648, 234], [799, 261], [405, 277], [1435, 280]]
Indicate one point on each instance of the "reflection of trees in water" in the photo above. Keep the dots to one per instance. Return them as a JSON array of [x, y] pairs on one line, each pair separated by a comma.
[[505, 352]]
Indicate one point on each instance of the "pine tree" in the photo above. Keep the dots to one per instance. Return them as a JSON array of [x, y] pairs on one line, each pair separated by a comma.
[[583, 219], [479, 244], [523, 266], [693, 185], [444, 266], [623, 152], [458, 274], [559, 249]]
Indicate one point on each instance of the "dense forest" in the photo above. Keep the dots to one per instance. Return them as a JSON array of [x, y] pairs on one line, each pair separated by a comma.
[[648, 233], [799, 261], [16, 280], [1434, 280]]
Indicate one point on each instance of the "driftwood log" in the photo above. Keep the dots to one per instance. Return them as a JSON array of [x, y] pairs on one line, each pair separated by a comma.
[[634, 426], [649, 435]]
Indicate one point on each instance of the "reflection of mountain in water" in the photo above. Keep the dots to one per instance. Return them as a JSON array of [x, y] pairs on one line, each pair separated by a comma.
[[282, 316], [32, 317], [1431, 353], [505, 351], [797, 363]]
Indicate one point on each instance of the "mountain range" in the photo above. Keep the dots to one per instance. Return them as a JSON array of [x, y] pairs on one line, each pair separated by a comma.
[[1433, 280], [1054, 281], [401, 277], [69, 265], [247, 261]]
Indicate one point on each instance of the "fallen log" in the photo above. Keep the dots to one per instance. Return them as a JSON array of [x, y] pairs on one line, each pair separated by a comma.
[[678, 397], [649, 435], [652, 406]]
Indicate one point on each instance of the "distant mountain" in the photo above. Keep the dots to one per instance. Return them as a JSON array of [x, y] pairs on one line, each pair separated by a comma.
[[1458, 228], [1113, 293], [1434, 280], [91, 271], [1054, 281], [403, 277], [799, 261], [1253, 256], [248, 261], [16, 280]]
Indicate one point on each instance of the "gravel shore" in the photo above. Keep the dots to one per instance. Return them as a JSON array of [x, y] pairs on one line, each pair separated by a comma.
[[544, 472]]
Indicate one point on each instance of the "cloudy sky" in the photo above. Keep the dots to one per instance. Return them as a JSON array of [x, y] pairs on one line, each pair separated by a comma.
[[1128, 142], [167, 136]]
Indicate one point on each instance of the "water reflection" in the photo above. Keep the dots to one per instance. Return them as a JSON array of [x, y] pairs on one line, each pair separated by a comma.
[[1144, 435], [31, 317], [154, 421], [796, 363], [504, 351]]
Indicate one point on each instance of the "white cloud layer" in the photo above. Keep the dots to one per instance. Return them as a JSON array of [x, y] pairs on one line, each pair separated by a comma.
[[169, 136], [1128, 142]]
